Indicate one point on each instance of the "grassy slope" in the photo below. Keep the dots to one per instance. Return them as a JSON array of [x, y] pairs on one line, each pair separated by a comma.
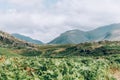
[[103, 48], [8, 52]]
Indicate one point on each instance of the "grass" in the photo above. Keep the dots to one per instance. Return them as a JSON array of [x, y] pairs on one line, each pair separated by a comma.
[[8, 52], [76, 68], [101, 63]]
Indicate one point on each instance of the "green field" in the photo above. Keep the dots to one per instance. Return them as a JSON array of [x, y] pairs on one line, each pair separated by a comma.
[[76, 68], [85, 61]]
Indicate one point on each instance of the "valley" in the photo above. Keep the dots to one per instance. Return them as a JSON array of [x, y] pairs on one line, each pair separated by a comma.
[[84, 61], [59, 39], [90, 60]]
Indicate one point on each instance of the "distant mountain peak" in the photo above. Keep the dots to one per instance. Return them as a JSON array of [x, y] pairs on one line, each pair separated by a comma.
[[70, 37], [8, 40], [26, 38], [74, 31], [108, 32]]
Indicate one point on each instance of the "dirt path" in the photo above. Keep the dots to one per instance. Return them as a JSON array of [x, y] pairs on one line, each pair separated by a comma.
[[117, 75]]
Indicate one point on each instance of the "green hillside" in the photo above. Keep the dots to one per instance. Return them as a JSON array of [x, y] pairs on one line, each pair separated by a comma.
[[11, 46], [101, 48]]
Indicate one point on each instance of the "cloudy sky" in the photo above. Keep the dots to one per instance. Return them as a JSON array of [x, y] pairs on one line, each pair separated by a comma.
[[46, 19]]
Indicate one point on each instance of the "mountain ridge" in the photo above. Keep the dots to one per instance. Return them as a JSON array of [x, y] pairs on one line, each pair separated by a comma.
[[70, 34], [107, 32], [26, 38]]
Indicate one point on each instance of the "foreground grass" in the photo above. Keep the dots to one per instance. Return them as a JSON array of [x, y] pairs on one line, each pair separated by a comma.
[[77, 68]]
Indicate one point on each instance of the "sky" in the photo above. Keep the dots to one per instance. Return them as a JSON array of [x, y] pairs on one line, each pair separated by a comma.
[[46, 19]]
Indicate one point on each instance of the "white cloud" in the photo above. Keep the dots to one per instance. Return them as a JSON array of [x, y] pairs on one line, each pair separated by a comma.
[[90, 12], [25, 2], [45, 22]]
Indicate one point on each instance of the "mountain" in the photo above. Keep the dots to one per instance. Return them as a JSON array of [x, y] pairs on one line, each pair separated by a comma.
[[108, 32], [27, 39], [70, 37], [7, 40]]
